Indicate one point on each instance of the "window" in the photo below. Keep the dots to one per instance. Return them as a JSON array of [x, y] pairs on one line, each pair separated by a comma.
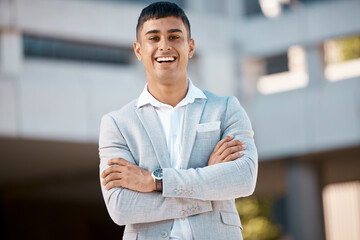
[[284, 72], [312, 1], [273, 8], [276, 64], [252, 7], [50, 48], [342, 58], [270, 8]]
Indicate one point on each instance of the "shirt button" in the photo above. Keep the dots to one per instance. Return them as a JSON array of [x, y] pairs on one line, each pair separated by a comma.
[[164, 234]]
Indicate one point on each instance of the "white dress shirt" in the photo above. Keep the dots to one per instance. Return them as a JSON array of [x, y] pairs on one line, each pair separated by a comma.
[[172, 121]]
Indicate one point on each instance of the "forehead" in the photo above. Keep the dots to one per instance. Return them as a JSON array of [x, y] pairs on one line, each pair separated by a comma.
[[163, 24]]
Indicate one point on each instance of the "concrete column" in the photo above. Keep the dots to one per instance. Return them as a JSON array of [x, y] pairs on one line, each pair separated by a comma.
[[303, 204], [10, 66], [314, 91], [11, 51], [315, 65]]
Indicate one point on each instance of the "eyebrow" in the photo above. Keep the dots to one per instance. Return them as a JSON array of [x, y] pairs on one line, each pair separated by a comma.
[[169, 31], [174, 30]]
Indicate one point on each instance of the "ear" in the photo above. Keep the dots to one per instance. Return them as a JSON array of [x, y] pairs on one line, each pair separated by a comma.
[[191, 47], [137, 50]]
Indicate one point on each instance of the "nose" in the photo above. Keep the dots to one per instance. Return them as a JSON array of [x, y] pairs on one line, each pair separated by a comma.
[[164, 45]]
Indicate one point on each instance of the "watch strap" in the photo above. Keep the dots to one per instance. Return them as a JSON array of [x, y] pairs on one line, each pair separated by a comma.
[[159, 185]]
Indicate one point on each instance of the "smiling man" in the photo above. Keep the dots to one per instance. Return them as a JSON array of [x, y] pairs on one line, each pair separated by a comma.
[[174, 160], [164, 46]]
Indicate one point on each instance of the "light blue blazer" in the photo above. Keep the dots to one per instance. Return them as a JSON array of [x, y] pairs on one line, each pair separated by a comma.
[[204, 194]]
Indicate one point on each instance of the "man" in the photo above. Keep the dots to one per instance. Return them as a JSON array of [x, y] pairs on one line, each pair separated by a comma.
[[174, 160]]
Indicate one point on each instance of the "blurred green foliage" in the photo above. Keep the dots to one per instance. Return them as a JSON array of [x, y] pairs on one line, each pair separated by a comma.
[[255, 214], [349, 47]]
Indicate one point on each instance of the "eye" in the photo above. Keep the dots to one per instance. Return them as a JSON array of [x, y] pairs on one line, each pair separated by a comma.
[[155, 38], [174, 37]]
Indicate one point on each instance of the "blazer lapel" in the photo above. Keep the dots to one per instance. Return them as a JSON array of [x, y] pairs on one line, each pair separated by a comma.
[[191, 120], [153, 128]]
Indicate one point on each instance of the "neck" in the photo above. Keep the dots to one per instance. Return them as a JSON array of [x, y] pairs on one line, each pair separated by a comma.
[[168, 93]]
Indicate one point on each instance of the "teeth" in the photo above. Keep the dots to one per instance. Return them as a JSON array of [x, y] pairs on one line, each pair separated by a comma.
[[165, 59]]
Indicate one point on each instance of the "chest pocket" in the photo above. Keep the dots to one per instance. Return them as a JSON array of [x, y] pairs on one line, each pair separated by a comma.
[[205, 143]]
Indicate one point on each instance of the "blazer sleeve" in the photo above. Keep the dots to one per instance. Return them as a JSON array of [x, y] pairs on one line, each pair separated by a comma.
[[222, 181], [127, 206]]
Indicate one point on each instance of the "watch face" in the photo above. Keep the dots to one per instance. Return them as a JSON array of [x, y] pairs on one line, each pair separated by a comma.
[[158, 173]]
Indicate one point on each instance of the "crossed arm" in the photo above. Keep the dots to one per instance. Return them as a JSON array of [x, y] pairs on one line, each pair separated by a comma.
[[125, 174], [128, 190]]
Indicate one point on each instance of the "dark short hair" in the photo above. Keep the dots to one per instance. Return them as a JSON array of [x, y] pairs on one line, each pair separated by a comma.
[[161, 10]]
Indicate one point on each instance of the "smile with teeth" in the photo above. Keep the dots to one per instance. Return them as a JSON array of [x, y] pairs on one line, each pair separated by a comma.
[[165, 59]]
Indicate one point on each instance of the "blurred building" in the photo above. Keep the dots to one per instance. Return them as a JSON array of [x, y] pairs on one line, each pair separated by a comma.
[[294, 65]]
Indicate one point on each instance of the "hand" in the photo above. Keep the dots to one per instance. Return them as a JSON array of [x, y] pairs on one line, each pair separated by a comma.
[[226, 150], [122, 173]]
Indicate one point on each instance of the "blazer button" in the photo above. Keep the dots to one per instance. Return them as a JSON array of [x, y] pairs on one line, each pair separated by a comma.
[[164, 234]]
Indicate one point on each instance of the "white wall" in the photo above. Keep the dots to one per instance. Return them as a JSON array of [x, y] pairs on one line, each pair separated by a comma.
[[65, 100]]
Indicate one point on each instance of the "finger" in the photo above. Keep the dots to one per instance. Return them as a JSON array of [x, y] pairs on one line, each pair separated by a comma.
[[230, 150], [119, 161], [111, 177], [222, 141], [228, 145], [112, 169], [233, 157], [112, 184]]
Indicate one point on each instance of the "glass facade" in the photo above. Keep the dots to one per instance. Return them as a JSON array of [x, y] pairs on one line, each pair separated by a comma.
[[181, 3], [257, 7], [40, 47]]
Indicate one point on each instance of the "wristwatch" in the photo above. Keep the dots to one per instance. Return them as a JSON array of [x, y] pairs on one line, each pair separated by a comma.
[[158, 177]]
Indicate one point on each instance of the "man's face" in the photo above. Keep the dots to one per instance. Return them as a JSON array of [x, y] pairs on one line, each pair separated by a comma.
[[164, 47]]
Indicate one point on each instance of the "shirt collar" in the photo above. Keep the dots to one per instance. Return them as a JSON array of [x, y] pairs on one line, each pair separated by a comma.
[[192, 94]]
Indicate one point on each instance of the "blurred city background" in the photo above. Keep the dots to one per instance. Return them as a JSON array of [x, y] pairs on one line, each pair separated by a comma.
[[293, 64]]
